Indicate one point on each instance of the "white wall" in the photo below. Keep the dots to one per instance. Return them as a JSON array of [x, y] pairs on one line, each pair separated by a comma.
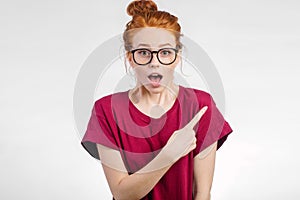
[[44, 43]]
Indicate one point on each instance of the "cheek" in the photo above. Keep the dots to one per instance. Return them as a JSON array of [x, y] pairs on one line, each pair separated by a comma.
[[176, 62], [168, 73], [171, 68], [140, 72]]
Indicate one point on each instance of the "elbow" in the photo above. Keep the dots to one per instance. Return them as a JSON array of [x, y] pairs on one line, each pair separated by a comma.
[[202, 196], [126, 193], [125, 197], [126, 190], [202, 193]]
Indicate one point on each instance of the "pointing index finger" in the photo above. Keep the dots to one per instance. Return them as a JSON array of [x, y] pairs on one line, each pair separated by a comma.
[[196, 118]]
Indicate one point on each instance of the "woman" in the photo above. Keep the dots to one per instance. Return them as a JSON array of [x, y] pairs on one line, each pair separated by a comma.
[[157, 140]]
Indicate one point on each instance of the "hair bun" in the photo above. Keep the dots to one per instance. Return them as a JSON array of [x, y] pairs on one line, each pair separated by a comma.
[[141, 6]]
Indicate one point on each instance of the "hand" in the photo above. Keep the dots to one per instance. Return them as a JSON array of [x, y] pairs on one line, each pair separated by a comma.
[[183, 140]]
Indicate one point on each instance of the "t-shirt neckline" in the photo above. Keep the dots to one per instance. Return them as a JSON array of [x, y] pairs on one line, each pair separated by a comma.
[[146, 117]]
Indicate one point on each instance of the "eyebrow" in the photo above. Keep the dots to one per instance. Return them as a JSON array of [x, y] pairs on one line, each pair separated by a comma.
[[167, 44], [147, 45]]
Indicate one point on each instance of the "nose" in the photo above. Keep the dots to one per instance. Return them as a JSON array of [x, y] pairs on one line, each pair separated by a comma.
[[154, 62]]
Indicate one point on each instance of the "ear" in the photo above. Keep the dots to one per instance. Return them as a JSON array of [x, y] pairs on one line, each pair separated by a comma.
[[130, 58]]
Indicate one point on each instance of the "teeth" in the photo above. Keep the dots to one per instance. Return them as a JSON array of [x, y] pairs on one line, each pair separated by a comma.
[[154, 74]]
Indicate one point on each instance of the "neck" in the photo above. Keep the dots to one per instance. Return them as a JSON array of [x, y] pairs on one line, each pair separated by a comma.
[[168, 94]]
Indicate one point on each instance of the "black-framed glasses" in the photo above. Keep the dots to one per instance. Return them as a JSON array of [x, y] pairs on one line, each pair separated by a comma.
[[165, 56]]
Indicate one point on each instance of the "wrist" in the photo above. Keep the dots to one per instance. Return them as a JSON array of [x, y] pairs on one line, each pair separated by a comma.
[[168, 156]]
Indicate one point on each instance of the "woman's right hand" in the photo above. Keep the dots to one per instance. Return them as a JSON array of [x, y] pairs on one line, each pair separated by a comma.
[[183, 140]]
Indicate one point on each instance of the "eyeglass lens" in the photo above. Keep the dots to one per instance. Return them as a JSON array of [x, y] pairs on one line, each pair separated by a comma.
[[144, 56]]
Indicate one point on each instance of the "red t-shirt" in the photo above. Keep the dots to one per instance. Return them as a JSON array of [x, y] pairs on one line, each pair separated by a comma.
[[116, 123]]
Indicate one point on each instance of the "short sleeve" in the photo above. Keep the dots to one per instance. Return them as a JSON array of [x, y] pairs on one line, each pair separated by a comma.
[[212, 127], [99, 131]]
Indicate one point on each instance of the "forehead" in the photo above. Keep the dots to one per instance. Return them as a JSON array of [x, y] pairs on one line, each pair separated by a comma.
[[153, 37]]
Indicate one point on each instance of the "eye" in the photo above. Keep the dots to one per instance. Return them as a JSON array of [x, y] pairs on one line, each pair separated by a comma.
[[143, 53], [165, 52]]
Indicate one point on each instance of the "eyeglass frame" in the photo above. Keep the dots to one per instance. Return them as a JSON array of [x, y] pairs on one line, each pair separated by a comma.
[[134, 50]]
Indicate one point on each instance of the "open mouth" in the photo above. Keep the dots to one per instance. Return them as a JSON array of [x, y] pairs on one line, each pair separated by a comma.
[[155, 78]]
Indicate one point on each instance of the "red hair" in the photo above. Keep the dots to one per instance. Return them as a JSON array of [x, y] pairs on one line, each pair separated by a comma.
[[145, 14]]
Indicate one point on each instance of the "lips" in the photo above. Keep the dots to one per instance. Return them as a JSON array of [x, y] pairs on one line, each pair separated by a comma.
[[155, 79]]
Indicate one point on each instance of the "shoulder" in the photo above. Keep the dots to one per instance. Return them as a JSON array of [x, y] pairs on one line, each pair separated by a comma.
[[194, 94], [111, 99]]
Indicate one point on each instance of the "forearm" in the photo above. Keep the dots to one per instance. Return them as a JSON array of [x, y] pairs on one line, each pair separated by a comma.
[[203, 174], [139, 184], [136, 186]]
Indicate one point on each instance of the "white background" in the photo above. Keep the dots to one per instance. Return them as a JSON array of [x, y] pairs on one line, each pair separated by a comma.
[[254, 45]]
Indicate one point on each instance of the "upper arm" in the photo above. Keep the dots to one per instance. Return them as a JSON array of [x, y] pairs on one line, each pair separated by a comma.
[[204, 165], [113, 166], [207, 150]]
